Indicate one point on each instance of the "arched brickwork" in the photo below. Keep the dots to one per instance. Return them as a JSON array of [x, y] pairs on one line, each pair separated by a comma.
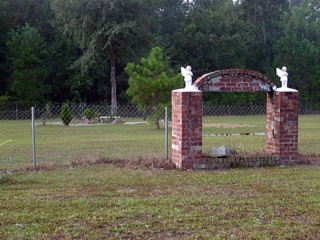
[[281, 118], [234, 80]]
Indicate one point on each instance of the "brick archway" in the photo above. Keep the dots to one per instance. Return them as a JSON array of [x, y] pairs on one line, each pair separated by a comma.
[[281, 115], [234, 80]]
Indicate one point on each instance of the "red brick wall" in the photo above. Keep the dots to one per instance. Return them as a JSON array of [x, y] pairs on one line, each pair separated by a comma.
[[187, 129], [282, 125]]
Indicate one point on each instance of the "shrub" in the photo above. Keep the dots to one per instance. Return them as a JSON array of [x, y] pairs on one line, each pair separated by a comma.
[[3, 100], [88, 113], [66, 114], [6, 179]]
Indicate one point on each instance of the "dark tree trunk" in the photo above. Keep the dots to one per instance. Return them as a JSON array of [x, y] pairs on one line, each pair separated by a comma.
[[113, 80]]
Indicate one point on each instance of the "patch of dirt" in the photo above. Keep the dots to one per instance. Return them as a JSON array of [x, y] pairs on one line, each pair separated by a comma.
[[154, 163], [91, 124], [303, 159], [140, 163], [227, 125], [134, 123], [309, 159], [126, 190]]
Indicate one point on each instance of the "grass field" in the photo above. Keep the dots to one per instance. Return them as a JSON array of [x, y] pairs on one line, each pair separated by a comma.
[[309, 133], [108, 202], [79, 194], [234, 125], [57, 144]]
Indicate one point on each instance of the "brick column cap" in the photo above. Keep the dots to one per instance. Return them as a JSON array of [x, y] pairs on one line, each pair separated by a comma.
[[284, 89], [189, 89]]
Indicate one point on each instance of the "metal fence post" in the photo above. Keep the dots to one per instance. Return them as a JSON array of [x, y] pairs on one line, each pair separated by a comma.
[[33, 139], [16, 111], [166, 132]]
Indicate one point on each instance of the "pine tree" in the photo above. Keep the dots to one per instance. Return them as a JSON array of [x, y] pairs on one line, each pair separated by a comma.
[[28, 55], [151, 81], [66, 114]]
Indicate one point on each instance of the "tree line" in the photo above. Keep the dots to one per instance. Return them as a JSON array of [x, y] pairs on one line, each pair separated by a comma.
[[53, 51]]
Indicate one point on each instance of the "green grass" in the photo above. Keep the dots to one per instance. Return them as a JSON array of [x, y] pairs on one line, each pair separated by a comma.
[[234, 125], [70, 199], [106, 202], [309, 133]]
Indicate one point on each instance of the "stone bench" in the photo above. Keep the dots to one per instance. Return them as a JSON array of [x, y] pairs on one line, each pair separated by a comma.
[[108, 117]]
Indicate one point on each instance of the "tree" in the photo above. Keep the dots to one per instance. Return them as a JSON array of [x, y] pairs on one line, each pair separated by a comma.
[[261, 27], [104, 29], [166, 20], [298, 49], [151, 81], [10, 17], [66, 84], [28, 54], [210, 38], [39, 15]]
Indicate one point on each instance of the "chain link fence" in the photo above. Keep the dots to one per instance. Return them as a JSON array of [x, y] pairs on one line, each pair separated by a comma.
[[64, 135], [93, 132]]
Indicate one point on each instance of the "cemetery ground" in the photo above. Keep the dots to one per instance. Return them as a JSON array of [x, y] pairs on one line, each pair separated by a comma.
[[89, 186]]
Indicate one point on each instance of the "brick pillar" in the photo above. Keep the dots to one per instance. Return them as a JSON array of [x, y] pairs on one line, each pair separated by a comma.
[[187, 129], [282, 125]]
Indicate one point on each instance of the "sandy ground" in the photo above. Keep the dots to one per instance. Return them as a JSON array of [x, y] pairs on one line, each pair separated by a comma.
[[227, 125]]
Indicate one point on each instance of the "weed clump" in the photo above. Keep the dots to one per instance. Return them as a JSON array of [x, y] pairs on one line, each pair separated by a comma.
[[6, 180], [143, 163]]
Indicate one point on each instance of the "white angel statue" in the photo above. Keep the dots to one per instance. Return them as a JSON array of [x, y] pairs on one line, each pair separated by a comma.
[[186, 72], [282, 73]]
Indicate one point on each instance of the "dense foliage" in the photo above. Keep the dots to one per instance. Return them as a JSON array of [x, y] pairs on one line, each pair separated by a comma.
[[52, 51], [27, 53]]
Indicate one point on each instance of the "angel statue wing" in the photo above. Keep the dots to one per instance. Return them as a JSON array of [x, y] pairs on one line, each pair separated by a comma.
[[184, 71], [279, 72]]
